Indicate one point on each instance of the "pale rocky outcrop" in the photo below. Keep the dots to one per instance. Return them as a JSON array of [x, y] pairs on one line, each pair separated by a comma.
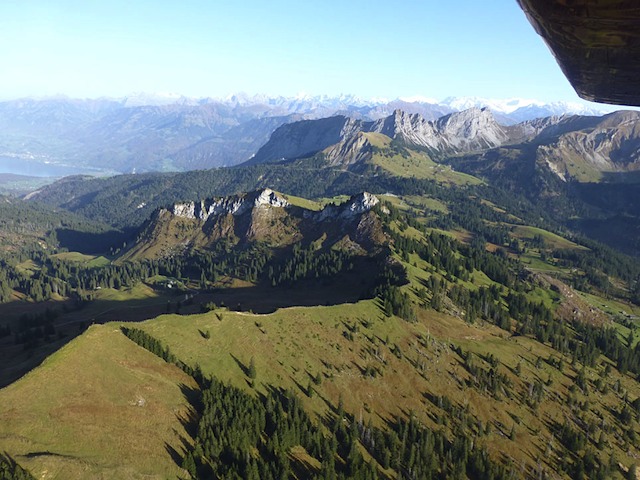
[[233, 205], [611, 145], [237, 205], [340, 138], [263, 216], [351, 150], [353, 207]]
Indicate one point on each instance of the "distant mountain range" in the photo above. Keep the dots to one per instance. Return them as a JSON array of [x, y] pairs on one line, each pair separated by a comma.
[[514, 109], [573, 148], [471, 130], [139, 133]]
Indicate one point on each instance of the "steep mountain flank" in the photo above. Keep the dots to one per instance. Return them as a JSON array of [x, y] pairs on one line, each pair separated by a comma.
[[585, 149], [264, 217], [471, 130], [577, 149], [352, 150], [590, 154], [305, 138]]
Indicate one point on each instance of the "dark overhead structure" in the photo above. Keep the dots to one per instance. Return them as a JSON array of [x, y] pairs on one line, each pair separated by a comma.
[[596, 43]]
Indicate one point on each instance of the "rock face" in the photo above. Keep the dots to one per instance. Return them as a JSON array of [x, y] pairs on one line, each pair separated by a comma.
[[472, 129], [610, 146], [586, 149], [304, 138], [235, 205], [239, 204], [350, 151], [263, 216], [356, 205], [340, 137], [549, 127]]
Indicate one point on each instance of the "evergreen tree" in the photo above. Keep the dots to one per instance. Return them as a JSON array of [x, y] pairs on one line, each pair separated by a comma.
[[251, 370]]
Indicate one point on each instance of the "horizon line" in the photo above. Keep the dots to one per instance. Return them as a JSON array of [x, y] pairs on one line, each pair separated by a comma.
[[175, 97]]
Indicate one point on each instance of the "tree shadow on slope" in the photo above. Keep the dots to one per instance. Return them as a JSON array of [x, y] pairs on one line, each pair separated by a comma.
[[91, 243], [347, 287]]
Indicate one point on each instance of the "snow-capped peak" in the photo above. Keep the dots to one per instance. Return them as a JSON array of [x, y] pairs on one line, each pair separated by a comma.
[[418, 99], [138, 99], [507, 110], [505, 105], [508, 106]]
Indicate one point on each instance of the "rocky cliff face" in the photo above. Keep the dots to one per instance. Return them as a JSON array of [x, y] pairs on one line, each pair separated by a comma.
[[350, 151], [611, 146], [237, 205], [542, 129], [356, 205], [469, 130], [263, 216], [234, 205], [305, 138], [340, 140]]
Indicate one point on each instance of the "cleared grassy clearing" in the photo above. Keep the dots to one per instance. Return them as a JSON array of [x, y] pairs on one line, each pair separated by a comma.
[[551, 239], [533, 262], [610, 305], [27, 268], [426, 203], [419, 165], [87, 260]]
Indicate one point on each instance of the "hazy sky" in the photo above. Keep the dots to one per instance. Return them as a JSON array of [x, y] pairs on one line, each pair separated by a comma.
[[213, 48]]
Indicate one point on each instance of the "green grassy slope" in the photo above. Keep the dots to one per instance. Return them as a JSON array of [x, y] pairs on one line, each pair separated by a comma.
[[101, 407], [353, 348]]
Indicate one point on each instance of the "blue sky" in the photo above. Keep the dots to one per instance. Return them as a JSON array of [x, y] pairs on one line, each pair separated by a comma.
[[213, 48]]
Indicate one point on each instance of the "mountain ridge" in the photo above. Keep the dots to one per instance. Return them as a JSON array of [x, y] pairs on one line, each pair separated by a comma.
[[263, 216], [473, 129], [599, 145], [174, 133]]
